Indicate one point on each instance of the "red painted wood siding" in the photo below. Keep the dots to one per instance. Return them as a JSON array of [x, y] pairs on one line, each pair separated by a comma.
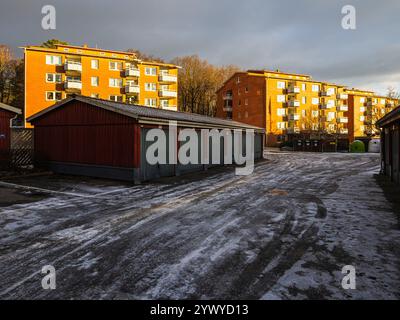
[[82, 133], [5, 117]]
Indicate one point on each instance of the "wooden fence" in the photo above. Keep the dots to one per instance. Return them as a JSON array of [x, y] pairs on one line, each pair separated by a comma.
[[21, 147]]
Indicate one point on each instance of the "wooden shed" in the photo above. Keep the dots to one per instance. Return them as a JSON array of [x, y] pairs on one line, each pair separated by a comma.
[[7, 113], [390, 144], [101, 138]]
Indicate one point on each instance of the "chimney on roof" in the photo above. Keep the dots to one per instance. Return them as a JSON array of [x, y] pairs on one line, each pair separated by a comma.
[[277, 70], [85, 45]]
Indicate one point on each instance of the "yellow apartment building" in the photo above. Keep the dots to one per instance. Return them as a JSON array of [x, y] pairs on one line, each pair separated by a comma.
[[51, 74], [288, 103], [366, 108]]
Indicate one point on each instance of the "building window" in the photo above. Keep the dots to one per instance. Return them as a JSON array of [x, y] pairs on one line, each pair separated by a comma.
[[383, 101], [164, 103], [331, 127], [315, 101], [94, 64], [281, 85], [53, 96], [280, 98], [331, 116], [303, 87], [304, 113], [150, 86], [331, 103], [330, 91], [115, 66], [116, 98], [53, 60], [150, 102], [303, 100], [240, 102], [53, 77], [362, 100], [115, 83], [246, 89], [246, 102], [94, 81], [238, 80], [281, 112], [281, 125], [362, 118], [362, 109], [314, 126], [95, 95], [315, 88], [314, 113], [150, 71]]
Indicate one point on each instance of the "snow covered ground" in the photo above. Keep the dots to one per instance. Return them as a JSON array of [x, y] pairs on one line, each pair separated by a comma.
[[284, 232]]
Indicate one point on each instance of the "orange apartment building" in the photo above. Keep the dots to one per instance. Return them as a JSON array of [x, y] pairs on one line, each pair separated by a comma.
[[51, 74], [288, 103]]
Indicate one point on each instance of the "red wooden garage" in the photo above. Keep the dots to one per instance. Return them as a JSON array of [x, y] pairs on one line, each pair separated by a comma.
[[101, 138], [7, 113]]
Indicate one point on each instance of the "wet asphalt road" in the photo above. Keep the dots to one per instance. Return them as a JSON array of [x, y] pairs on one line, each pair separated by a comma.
[[284, 232]]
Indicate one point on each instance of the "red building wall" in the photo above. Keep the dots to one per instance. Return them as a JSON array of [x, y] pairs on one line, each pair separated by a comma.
[[85, 134], [248, 88]]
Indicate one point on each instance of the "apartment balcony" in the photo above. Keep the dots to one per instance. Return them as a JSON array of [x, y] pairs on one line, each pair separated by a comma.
[[73, 85], [168, 94], [292, 130], [293, 103], [342, 108], [293, 89], [371, 103], [132, 72], [294, 117], [73, 66], [323, 93], [132, 89], [323, 106], [170, 108], [342, 96], [167, 78], [342, 120]]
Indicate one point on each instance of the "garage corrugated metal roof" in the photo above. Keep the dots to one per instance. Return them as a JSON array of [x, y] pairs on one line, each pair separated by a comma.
[[390, 117], [9, 108], [140, 112]]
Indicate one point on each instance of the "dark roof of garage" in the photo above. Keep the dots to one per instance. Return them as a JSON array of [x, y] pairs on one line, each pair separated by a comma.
[[147, 113], [389, 118], [9, 108]]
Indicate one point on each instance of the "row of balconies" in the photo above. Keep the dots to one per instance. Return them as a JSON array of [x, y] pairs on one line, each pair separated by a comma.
[[297, 130], [296, 117], [129, 72], [129, 89]]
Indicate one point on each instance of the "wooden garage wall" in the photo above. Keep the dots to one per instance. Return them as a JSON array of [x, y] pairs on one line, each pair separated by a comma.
[[5, 117], [85, 134]]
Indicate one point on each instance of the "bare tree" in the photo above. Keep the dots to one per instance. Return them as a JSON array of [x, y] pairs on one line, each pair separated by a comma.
[[392, 93], [198, 83], [11, 78], [144, 56]]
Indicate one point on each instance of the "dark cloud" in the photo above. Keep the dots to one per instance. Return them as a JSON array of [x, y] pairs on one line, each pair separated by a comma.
[[299, 35]]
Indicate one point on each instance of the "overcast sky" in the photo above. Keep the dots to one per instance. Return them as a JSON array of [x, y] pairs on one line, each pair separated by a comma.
[[302, 36]]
